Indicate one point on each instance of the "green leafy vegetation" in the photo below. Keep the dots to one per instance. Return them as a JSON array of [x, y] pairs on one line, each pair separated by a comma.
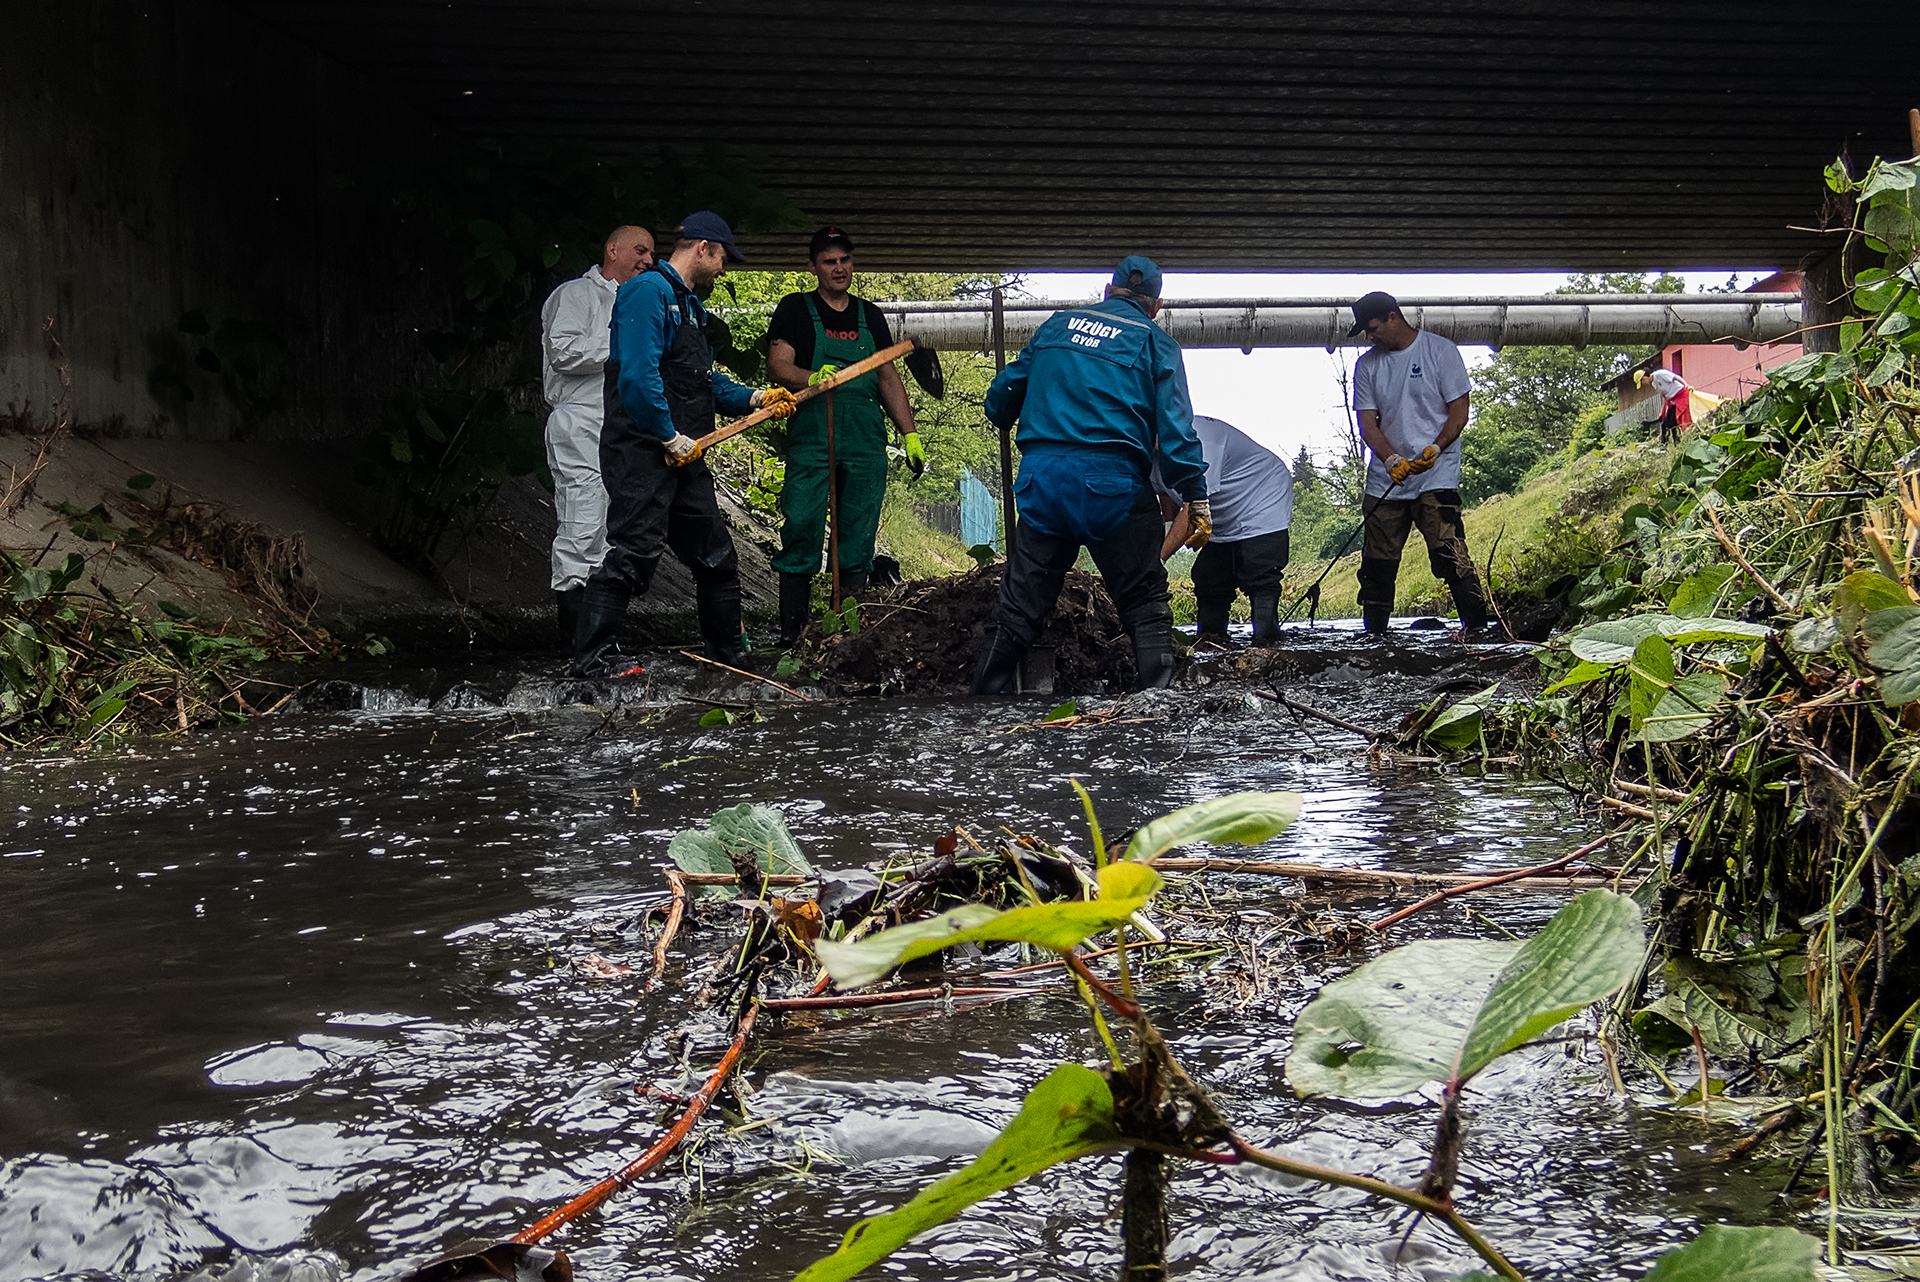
[[1436, 1010], [1746, 696]]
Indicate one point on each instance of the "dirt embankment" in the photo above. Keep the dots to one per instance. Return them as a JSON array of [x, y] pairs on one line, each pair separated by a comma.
[[925, 639]]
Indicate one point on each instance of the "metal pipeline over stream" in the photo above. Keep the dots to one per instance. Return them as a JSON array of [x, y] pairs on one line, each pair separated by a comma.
[[1570, 320]]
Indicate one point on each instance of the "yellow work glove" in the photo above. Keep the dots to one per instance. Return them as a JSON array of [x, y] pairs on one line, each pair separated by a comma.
[[1199, 523], [822, 374], [777, 401], [682, 450], [916, 454], [1426, 459], [1398, 469]]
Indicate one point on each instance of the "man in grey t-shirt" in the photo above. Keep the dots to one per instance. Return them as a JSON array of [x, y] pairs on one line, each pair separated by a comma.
[[1410, 392]]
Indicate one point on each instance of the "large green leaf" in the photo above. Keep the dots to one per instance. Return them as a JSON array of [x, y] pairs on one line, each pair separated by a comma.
[[1445, 1009], [1613, 641], [1247, 818], [1862, 593], [1589, 949], [743, 830], [1459, 725], [1725, 1254], [697, 850], [1897, 653], [1583, 673], [1694, 596], [1651, 674], [1068, 1115], [1398, 1022], [1124, 890], [760, 831], [1689, 706]]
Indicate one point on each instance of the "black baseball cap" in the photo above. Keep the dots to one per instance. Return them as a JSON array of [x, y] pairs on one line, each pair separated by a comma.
[[1371, 307], [707, 225], [828, 235]]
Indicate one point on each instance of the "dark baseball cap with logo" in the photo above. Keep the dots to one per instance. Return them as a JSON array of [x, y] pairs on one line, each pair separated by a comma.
[[1372, 307], [828, 235], [707, 225], [1138, 274]]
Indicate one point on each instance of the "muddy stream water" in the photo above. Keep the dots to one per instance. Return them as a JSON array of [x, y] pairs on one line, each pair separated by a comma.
[[296, 1000]]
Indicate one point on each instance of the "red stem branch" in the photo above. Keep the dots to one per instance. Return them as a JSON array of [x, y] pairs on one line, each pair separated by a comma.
[[633, 1170]]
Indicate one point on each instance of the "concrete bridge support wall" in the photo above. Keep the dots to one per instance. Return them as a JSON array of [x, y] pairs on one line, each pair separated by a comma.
[[165, 156]]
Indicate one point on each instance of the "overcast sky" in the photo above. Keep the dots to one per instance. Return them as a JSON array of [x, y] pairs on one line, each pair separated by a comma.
[[1287, 397]]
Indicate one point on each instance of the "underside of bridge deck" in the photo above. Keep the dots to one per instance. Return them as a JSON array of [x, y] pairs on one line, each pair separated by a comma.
[[1219, 134]]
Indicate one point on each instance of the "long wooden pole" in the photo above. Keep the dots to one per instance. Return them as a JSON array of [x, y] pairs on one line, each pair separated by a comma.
[[1007, 515], [824, 386], [833, 512]]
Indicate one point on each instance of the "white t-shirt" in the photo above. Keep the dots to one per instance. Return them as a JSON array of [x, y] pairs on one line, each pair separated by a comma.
[[1667, 383], [1248, 485], [1410, 389]]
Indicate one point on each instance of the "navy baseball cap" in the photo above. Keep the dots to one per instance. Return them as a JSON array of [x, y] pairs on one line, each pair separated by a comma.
[[707, 225], [1138, 273], [1371, 307], [828, 235]]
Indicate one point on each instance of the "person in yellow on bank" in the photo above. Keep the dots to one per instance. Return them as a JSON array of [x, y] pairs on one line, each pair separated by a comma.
[[811, 337]]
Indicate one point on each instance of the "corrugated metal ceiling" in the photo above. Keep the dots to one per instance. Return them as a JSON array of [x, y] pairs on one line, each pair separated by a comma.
[[1442, 135]]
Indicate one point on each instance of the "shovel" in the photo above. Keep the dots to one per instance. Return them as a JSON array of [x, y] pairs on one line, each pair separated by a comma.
[[925, 369]]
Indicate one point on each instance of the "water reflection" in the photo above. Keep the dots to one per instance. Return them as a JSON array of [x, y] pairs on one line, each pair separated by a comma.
[[304, 987]]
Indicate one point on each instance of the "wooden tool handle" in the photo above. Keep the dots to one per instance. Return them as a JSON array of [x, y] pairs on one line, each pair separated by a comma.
[[846, 375]]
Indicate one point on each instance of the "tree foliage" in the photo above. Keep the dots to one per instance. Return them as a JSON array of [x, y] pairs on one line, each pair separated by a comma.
[[954, 430], [1530, 402]]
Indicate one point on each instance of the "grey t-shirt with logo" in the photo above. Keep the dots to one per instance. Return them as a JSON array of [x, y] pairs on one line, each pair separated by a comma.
[[1410, 389], [1249, 485]]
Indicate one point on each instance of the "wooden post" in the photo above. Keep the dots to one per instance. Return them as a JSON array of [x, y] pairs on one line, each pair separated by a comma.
[[1913, 129], [1007, 514]]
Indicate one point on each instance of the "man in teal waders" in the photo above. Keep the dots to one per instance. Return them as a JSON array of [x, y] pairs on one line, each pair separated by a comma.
[[811, 337]]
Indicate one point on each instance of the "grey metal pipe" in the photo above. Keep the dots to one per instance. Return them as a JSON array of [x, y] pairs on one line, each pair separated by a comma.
[[1551, 320]]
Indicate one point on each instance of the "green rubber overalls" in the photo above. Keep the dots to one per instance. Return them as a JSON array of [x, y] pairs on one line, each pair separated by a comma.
[[860, 432]]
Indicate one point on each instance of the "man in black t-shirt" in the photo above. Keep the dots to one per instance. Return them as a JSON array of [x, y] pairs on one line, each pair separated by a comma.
[[811, 337]]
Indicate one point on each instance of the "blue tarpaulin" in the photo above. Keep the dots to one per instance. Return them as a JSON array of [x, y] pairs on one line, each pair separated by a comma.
[[979, 513]]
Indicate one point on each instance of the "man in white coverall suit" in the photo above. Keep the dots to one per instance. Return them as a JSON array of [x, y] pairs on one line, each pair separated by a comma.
[[573, 348]]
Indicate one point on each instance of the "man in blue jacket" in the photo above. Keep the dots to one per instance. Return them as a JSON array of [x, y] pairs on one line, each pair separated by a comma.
[[662, 390], [1100, 394]]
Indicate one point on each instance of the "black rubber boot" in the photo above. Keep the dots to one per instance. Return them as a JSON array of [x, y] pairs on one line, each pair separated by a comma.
[[1266, 618], [1153, 654], [796, 603], [717, 602], [603, 609], [1473, 614], [999, 665], [1210, 617], [851, 585], [567, 609], [1374, 617]]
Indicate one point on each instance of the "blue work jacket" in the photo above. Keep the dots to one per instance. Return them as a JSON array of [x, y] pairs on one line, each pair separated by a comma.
[[645, 321], [1104, 378]]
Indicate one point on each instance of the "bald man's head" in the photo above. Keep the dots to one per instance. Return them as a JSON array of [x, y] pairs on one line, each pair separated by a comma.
[[629, 252]]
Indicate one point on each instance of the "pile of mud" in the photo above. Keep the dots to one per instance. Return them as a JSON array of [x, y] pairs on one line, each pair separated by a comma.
[[924, 638]]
